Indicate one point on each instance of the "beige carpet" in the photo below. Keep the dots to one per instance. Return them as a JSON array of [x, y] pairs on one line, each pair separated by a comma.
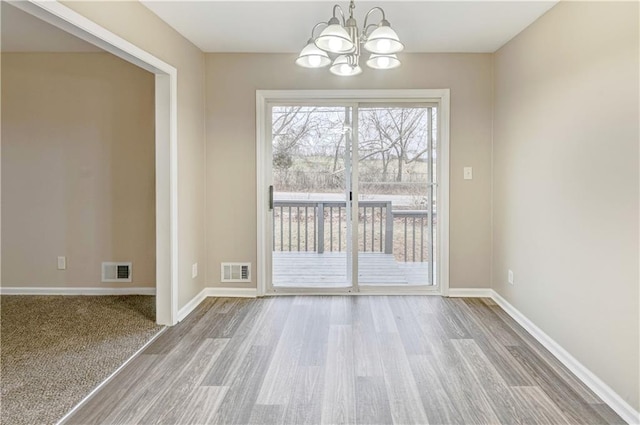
[[54, 350]]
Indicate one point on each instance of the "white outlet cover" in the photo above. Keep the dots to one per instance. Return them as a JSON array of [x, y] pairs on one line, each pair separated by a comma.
[[62, 263], [468, 173], [194, 270], [510, 277]]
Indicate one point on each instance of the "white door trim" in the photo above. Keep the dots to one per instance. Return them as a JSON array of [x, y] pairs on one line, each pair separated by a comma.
[[166, 144], [349, 96]]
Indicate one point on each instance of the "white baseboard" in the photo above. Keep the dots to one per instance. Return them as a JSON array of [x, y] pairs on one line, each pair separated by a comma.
[[470, 292], [215, 292], [76, 291], [232, 292], [602, 390], [192, 304]]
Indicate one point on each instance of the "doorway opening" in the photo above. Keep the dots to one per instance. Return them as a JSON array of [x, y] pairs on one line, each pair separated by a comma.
[[166, 157]]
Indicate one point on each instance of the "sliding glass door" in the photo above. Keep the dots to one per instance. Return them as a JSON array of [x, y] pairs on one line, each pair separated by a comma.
[[310, 208], [339, 224], [396, 205]]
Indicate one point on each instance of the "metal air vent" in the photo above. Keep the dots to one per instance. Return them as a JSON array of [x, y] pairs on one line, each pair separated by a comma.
[[235, 272], [116, 272]]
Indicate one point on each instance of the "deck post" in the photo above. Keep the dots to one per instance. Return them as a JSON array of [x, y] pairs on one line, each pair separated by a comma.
[[388, 234], [320, 232]]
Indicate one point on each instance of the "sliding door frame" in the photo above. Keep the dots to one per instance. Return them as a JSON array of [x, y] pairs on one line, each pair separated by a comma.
[[349, 97], [267, 173]]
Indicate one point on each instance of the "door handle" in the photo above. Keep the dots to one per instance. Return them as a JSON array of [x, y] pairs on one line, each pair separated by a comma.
[[271, 198]]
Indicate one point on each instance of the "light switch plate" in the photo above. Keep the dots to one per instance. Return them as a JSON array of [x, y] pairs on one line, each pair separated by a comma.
[[468, 173]]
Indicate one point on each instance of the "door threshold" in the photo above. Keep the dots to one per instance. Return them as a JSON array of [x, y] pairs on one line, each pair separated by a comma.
[[379, 292]]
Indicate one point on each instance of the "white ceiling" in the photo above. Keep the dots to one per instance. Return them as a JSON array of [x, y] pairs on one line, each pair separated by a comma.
[[284, 26], [22, 32]]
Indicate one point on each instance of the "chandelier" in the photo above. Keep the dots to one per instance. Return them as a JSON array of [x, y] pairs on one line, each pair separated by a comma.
[[340, 44]]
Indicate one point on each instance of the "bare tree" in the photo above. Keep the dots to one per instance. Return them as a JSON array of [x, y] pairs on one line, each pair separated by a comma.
[[309, 143], [301, 132], [289, 127], [373, 143], [394, 134]]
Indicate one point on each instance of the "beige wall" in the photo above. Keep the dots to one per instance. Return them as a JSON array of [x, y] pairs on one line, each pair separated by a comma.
[[566, 183], [137, 24], [565, 172], [78, 164], [232, 80]]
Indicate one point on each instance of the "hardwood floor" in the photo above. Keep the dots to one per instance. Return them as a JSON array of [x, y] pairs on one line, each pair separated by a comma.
[[344, 360]]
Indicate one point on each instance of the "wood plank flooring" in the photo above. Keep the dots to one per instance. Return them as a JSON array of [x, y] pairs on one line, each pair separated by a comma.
[[345, 360]]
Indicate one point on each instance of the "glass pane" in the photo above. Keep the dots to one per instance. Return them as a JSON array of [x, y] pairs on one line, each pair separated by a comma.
[[311, 176], [394, 181], [433, 258]]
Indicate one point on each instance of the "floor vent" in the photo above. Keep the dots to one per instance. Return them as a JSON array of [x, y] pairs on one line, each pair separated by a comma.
[[235, 272], [116, 272]]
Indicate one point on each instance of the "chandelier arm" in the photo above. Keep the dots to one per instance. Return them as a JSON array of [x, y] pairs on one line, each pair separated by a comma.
[[366, 18], [366, 29], [337, 7], [313, 30]]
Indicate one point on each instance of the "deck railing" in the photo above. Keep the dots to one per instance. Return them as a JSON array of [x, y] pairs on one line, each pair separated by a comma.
[[321, 226]]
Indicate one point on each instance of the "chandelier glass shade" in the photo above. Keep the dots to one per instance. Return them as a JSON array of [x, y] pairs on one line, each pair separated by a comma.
[[383, 41], [341, 43], [313, 57], [383, 61], [335, 39], [342, 67]]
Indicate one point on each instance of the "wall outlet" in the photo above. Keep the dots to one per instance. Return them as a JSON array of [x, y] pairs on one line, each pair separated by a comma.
[[62, 263], [510, 277], [194, 270], [468, 173]]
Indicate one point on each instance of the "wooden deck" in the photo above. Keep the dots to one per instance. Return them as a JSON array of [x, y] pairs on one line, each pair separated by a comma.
[[329, 270]]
